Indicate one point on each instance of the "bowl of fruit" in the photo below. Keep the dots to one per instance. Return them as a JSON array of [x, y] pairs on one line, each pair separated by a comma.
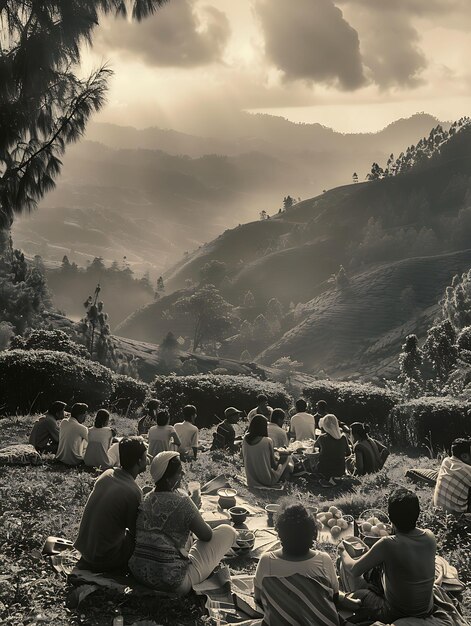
[[372, 525], [334, 520]]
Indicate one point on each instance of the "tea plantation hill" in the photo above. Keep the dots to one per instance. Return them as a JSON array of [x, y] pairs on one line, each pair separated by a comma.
[[401, 239]]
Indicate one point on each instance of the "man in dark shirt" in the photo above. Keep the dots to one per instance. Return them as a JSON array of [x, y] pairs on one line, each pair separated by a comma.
[[108, 527], [45, 433], [224, 437]]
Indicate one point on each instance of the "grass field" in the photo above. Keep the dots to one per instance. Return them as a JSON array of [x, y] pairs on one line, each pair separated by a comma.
[[49, 499]]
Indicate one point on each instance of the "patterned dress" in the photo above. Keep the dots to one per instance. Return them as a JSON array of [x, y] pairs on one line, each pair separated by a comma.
[[160, 559]]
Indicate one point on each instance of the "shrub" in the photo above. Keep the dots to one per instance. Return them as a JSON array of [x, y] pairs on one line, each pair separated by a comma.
[[32, 379], [128, 394], [56, 340], [211, 394], [353, 402], [432, 421]]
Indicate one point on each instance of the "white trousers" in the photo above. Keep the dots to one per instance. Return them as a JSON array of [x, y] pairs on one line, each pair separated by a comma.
[[205, 556]]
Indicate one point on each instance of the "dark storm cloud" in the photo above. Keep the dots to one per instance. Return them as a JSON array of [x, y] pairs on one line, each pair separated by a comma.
[[174, 37], [310, 40]]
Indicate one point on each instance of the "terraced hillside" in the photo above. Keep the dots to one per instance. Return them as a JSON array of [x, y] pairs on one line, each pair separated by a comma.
[[359, 329]]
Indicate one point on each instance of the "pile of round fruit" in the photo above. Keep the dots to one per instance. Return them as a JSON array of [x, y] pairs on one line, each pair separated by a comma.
[[333, 518], [374, 528]]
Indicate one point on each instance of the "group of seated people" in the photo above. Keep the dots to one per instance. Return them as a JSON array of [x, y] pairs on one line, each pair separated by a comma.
[[333, 453], [165, 543], [73, 443], [163, 540]]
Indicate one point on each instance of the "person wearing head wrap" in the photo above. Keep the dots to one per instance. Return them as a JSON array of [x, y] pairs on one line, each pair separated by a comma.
[[165, 557], [333, 448]]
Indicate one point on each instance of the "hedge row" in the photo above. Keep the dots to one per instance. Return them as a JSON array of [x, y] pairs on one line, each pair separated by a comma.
[[30, 380], [353, 402], [128, 394], [429, 421], [212, 393]]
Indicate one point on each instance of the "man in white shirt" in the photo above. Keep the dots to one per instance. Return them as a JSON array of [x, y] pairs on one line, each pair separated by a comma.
[[303, 424], [262, 408], [276, 432], [73, 436], [188, 433]]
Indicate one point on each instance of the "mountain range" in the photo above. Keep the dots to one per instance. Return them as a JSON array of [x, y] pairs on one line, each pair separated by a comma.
[[152, 195]]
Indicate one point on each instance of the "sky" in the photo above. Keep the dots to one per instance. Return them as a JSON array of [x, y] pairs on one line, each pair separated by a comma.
[[353, 65]]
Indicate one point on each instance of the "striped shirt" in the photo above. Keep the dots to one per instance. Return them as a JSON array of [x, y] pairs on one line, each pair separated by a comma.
[[296, 593], [452, 491]]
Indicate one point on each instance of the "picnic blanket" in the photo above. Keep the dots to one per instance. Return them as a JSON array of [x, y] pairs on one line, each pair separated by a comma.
[[418, 475], [19, 454]]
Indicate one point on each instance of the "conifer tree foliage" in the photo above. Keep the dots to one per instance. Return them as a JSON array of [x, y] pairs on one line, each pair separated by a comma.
[[410, 363], [44, 104]]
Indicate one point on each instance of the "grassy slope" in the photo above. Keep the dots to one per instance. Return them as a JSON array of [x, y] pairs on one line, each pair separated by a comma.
[[48, 500]]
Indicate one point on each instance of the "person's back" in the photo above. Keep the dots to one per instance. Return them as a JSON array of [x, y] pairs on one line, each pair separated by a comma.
[[160, 438], [332, 455], [187, 433], [73, 436], [99, 441], [409, 572], [302, 424], [257, 463], [453, 488], [371, 461], [107, 529], [278, 435], [45, 434]]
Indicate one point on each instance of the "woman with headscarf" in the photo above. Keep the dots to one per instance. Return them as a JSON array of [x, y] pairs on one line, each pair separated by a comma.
[[333, 448], [165, 558], [262, 469]]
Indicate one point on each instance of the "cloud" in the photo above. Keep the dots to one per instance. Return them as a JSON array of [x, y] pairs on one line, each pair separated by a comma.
[[175, 36], [310, 40]]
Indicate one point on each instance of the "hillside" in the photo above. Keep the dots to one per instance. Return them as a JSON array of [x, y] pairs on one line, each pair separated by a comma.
[[401, 239], [360, 329], [153, 194]]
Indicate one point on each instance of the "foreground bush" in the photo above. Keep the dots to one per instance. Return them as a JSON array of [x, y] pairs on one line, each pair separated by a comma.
[[432, 422], [353, 402], [30, 380], [211, 394], [128, 394]]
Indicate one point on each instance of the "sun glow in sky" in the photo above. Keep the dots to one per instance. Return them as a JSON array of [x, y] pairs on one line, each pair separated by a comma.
[[354, 65]]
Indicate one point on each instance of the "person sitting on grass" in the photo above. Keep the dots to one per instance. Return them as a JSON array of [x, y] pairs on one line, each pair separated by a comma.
[[453, 488], [99, 441], [165, 558], [303, 424], [297, 584], [321, 411], [73, 436], [224, 437], [162, 435], [262, 469], [107, 530], [333, 448], [188, 434], [262, 407], [407, 559], [276, 432], [369, 455], [45, 433], [149, 418]]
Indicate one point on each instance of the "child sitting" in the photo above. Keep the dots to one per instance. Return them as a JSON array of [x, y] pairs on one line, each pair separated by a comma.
[[163, 435]]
